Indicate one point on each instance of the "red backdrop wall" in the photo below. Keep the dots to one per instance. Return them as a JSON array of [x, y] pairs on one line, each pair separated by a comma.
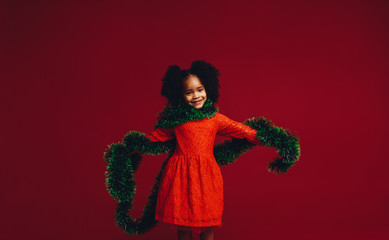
[[79, 75]]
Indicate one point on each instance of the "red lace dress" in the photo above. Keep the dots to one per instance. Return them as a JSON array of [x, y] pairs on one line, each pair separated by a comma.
[[190, 195]]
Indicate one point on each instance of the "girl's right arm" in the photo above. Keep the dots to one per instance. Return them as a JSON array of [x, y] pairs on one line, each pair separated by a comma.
[[161, 135]]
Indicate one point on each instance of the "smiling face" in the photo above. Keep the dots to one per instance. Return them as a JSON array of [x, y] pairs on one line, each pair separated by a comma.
[[194, 92]]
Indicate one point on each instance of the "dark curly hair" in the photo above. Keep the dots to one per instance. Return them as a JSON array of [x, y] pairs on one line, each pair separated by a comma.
[[172, 82]]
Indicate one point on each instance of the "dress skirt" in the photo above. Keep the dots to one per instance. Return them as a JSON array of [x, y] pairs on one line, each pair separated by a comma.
[[190, 195]]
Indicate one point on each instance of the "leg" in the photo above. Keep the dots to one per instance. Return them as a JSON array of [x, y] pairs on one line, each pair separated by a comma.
[[207, 235], [184, 235]]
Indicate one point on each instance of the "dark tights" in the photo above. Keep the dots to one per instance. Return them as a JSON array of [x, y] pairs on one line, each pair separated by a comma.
[[187, 235]]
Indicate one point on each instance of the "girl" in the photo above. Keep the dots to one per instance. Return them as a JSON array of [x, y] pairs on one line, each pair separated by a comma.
[[188, 194]]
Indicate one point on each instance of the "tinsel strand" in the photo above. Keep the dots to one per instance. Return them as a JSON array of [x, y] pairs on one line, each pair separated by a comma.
[[123, 159]]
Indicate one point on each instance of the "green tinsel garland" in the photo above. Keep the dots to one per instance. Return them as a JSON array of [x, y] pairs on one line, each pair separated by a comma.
[[123, 159], [170, 117]]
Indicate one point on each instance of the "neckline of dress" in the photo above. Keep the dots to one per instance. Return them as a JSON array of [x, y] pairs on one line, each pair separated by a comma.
[[173, 116]]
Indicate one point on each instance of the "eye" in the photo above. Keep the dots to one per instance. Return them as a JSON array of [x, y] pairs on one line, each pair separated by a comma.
[[201, 90], [187, 93]]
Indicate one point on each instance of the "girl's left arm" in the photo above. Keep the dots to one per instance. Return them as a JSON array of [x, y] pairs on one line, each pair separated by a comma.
[[258, 131], [233, 129]]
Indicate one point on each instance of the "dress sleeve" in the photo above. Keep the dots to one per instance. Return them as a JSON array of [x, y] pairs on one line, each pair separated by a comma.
[[233, 129], [161, 135]]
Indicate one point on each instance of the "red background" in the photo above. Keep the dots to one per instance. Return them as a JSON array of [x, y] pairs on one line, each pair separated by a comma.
[[79, 75]]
